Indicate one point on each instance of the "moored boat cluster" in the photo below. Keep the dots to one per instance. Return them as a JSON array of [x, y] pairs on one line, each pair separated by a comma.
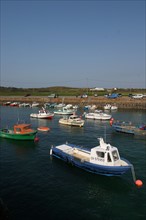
[[103, 159]]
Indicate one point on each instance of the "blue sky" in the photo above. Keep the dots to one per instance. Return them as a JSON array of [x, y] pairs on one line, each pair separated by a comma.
[[73, 43]]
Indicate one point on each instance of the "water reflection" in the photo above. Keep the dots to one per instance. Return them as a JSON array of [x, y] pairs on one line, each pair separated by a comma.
[[22, 148]]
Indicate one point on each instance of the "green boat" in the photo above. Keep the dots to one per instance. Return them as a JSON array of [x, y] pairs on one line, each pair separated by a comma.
[[19, 132]]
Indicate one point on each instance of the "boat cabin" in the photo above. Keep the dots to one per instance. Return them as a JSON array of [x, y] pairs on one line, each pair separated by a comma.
[[22, 128], [104, 154], [75, 117]]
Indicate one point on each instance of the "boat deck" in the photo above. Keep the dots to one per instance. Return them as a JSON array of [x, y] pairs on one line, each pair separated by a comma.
[[81, 155], [75, 152], [130, 129]]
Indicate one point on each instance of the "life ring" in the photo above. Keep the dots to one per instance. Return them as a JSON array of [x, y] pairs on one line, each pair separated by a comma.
[[43, 128]]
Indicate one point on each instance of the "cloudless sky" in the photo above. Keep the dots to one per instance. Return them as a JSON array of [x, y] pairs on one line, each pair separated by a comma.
[[73, 43]]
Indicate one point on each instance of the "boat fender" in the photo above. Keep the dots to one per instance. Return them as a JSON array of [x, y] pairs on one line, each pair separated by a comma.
[[111, 121]]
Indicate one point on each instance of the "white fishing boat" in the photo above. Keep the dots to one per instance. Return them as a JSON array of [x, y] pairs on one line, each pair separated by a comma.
[[107, 107], [35, 104], [68, 106], [114, 107], [64, 111], [103, 159], [6, 103], [110, 107], [43, 113], [72, 120], [24, 105], [98, 116]]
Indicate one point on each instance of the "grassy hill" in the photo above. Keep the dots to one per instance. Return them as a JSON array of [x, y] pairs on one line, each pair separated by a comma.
[[61, 91]]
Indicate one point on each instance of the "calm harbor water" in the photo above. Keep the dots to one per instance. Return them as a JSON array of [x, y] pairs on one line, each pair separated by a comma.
[[35, 186]]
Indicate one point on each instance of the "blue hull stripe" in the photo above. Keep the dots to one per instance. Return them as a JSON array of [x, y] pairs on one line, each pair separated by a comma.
[[93, 168]]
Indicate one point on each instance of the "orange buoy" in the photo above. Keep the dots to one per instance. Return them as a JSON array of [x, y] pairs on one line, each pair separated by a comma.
[[43, 128], [138, 183]]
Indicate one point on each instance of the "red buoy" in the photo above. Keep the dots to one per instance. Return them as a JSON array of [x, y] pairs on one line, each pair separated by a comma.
[[36, 139], [111, 121], [138, 183]]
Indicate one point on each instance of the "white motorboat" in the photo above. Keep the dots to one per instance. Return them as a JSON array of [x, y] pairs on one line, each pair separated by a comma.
[[103, 159], [72, 120], [42, 114], [114, 107], [35, 104], [68, 106], [24, 105], [64, 111], [98, 116], [107, 107]]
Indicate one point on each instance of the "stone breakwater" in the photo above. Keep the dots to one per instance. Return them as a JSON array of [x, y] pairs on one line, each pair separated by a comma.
[[121, 102]]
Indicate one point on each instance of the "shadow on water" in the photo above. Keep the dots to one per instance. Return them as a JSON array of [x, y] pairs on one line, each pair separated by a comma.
[[4, 212], [34, 186], [20, 147], [101, 182]]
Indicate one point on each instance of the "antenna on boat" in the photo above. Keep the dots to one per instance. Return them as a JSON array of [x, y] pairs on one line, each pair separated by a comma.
[[105, 133], [18, 117]]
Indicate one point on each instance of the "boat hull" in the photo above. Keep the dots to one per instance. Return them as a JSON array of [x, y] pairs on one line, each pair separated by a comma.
[[72, 123], [98, 116], [129, 130], [90, 167], [123, 129], [28, 136], [45, 116]]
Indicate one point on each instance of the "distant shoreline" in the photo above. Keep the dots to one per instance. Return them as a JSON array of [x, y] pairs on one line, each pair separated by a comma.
[[121, 102]]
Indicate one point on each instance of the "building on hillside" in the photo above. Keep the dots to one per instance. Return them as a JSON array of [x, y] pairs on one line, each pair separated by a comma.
[[97, 89]]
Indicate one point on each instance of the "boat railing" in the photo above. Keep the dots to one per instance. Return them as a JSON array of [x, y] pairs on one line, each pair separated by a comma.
[[5, 130], [123, 123]]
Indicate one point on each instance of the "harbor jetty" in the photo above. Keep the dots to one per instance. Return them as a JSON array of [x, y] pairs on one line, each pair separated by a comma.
[[123, 102]]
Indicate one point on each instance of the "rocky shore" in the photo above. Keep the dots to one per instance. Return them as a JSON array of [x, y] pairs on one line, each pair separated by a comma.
[[121, 102]]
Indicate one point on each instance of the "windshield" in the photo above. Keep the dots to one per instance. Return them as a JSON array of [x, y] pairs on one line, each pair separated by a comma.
[[115, 155]]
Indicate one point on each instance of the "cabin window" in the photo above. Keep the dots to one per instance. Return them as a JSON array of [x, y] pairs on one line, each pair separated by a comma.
[[18, 129], [109, 158], [25, 128], [100, 154], [115, 155]]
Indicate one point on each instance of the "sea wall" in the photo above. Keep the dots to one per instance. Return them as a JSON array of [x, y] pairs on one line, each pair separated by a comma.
[[121, 102]]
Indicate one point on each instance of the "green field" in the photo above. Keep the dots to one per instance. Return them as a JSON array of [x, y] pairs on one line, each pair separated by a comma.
[[62, 91]]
